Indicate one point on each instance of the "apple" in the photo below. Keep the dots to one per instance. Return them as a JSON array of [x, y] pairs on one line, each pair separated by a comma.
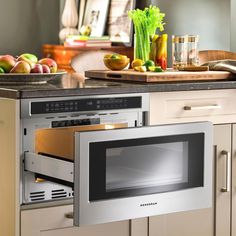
[[7, 62], [50, 63], [30, 58], [21, 67], [37, 69], [46, 69]]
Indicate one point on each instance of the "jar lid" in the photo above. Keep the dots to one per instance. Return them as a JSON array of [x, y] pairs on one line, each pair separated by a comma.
[[179, 38], [193, 38]]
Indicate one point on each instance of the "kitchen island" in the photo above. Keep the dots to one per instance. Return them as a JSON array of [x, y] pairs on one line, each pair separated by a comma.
[[211, 101]]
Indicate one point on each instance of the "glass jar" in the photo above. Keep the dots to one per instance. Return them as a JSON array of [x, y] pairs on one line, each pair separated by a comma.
[[193, 50], [179, 51]]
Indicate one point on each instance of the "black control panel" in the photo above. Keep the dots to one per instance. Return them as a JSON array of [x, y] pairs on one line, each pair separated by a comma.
[[77, 122], [90, 104]]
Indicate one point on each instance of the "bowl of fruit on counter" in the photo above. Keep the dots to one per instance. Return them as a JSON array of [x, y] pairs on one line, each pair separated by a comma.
[[27, 68], [116, 61]]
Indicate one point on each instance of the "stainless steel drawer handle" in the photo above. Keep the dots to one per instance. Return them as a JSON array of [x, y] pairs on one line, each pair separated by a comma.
[[69, 215], [207, 107], [227, 186]]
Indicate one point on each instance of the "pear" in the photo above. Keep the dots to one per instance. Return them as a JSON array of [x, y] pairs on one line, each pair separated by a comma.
[[30, 58], [21, 67]]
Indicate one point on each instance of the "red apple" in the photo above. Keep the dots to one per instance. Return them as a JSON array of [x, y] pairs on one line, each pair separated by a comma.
[[7, 62], [50, 63], [46, 69], [37, 68], [21, 67]]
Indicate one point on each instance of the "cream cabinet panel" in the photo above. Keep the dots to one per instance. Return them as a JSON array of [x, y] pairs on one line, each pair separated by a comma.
[[114, 229], [9, 168], [139, 227], [233, 220], [216, 106], [194, 223], [222, 142], [52, 222]]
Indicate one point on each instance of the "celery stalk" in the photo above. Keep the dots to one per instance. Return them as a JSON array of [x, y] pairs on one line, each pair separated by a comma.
[[145, 24]]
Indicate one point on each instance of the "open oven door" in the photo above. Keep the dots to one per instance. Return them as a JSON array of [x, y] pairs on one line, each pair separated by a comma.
[[137, 172]]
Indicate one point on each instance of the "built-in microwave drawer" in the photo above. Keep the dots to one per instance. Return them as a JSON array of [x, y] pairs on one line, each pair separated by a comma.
[[216, 106], [129, 173]]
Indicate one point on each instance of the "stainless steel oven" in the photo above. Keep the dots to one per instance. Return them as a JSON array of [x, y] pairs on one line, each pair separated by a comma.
[[132, 171]]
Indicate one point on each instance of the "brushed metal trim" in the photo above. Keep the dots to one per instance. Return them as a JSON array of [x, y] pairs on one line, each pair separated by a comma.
[[227, 186], [48, 166], [206, 107]]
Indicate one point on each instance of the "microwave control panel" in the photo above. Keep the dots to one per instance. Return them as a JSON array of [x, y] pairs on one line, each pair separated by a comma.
[[89, 104]]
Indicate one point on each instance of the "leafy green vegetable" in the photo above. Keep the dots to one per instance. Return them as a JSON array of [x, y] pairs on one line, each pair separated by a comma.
[[145, 24]]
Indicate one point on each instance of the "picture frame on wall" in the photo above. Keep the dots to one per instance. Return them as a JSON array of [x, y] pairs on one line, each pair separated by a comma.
[[94, 13], [119, 26]]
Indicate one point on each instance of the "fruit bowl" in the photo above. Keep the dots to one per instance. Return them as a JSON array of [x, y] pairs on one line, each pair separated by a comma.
[[32, 78], [118, 62]]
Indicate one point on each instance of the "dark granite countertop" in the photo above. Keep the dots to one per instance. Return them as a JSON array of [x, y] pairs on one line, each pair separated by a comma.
[[73, 85]]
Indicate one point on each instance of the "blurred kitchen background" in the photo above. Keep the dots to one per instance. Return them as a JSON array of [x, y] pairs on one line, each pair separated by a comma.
[[26, 25]]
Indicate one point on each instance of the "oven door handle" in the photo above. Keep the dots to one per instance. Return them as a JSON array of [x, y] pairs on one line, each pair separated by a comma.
[[227, 186]]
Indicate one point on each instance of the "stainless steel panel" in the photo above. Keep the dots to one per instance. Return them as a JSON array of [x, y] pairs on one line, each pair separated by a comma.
[[87, 212], [48, 166]]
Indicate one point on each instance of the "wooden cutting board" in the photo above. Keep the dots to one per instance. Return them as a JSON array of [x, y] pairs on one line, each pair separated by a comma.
[[168, 76]]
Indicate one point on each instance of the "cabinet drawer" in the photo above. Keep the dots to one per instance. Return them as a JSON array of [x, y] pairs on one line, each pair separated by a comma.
[[216, 106], [53, 221]]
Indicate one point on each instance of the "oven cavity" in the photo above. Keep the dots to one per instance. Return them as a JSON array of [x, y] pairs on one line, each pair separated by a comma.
[[48, 132]]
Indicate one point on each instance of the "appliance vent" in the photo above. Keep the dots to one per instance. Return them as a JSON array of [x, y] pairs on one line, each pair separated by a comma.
[[59, 193], [37, 196], [148, 204]]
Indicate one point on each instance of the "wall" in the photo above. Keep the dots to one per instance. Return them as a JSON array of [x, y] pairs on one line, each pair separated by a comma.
[[27, 24], [233, 28], [210, 19]]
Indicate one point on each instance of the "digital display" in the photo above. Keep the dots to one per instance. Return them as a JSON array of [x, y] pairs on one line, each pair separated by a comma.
[[93, 104]]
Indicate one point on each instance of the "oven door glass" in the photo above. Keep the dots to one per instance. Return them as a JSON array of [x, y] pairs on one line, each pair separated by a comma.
[[139, 166]]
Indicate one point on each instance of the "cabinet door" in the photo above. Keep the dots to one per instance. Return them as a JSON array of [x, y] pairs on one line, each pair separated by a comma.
[[233, 220], [52, 221], [10, 167], [201, 222], [222, 142], [194, 223]]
